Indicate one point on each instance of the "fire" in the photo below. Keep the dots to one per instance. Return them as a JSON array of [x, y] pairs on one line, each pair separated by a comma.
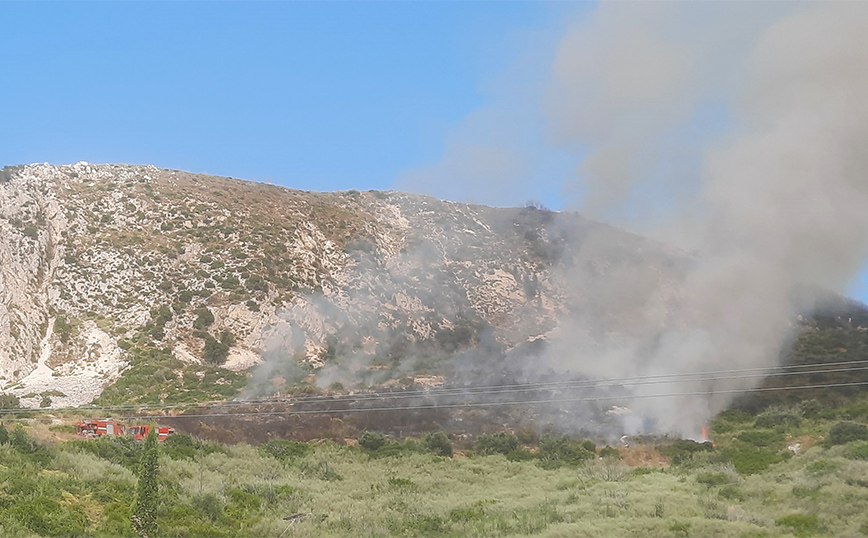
[[703, 432]]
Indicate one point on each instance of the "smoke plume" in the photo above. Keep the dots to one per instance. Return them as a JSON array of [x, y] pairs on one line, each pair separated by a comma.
[[734, 131]]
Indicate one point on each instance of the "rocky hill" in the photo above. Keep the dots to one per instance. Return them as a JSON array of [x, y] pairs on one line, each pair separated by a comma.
[[178, 283]]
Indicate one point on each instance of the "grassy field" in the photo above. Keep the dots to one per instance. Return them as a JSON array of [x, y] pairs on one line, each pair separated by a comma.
[[751, 484]]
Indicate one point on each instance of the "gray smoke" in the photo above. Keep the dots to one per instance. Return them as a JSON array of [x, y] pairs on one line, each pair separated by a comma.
[[776, 200]]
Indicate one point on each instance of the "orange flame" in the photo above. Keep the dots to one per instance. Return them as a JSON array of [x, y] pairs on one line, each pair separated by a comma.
[[703, 431]]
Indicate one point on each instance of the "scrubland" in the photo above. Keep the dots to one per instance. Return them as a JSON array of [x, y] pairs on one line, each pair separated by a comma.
[[784, 472]]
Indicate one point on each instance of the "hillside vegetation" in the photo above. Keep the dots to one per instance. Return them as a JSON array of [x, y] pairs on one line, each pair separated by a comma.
[[779, 473], [188, 277]]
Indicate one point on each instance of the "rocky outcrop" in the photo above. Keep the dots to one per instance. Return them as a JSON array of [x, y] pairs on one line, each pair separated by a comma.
[[93, 257]]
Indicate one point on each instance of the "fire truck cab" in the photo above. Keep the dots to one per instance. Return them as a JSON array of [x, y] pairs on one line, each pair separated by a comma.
[[98, 428], [140, 432]]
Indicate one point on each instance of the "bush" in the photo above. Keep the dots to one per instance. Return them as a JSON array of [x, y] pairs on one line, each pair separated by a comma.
[[9, 401], [208, 505], [521, 454], [372, 441], [122, 450], [27, 446], [179, 446], [800, 524], [62, 328], [753, 460], [736, 416], [684, 449], [46, 517], [398, 449], [712, 479], [609, 452], [559, 449], [284, 450], [214, 352], [496, 443], [811, 408], [731, 493], [761, 438], [774, 419], [438, 443], [845, 432], [204, 318], [857, 451]]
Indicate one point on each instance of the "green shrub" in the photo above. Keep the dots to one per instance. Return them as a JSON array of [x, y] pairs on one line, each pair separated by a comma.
[[821, 467], [419, 525], [712, 479], [684, 449], [401, 483], [62, 328], [680, 528], [521, 454], [284, 450], [397, 449], [800, 524], [589, 445], [372, 441], [761, 438], [241, 504], [204, 318], [560, 449], [28, 447], [753, 460], [321, 471], [208, 505], [496, 443], [845, 432], [774, 419], [609, 452], [9, 401], [214, 352], [731, 492], [122, 450], [180, 446], [47, 517], [438, 443], [736, 416], [857, 451], [810, 408]]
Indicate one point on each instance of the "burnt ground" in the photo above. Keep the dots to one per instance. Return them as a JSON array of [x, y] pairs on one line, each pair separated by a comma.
[[399, 415]]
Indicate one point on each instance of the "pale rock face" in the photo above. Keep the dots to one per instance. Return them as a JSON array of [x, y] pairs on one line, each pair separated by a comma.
[[90, 254]]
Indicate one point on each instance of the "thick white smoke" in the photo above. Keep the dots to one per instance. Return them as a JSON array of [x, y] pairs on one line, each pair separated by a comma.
[[775, 200]]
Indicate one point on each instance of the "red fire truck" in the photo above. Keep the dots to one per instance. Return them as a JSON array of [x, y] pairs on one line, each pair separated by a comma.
[[98, 428], [140, 432]]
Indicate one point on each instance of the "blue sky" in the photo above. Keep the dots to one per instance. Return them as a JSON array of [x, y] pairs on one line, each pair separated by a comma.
[[311, 95]]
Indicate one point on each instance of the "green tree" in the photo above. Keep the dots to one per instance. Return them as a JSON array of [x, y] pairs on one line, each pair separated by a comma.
[[372, 441], [496, 443], [9, 401], [144, 517], [214, 352], [844, 432], [438, 443], [204, 318]]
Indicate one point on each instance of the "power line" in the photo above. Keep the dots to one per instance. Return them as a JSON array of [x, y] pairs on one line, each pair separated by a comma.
[[490, 390], [498, 404]]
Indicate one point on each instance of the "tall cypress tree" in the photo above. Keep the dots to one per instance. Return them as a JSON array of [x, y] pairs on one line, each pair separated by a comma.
[[144, 518]]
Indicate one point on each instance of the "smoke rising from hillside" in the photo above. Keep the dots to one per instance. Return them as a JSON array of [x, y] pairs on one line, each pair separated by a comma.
[[776, 201]]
